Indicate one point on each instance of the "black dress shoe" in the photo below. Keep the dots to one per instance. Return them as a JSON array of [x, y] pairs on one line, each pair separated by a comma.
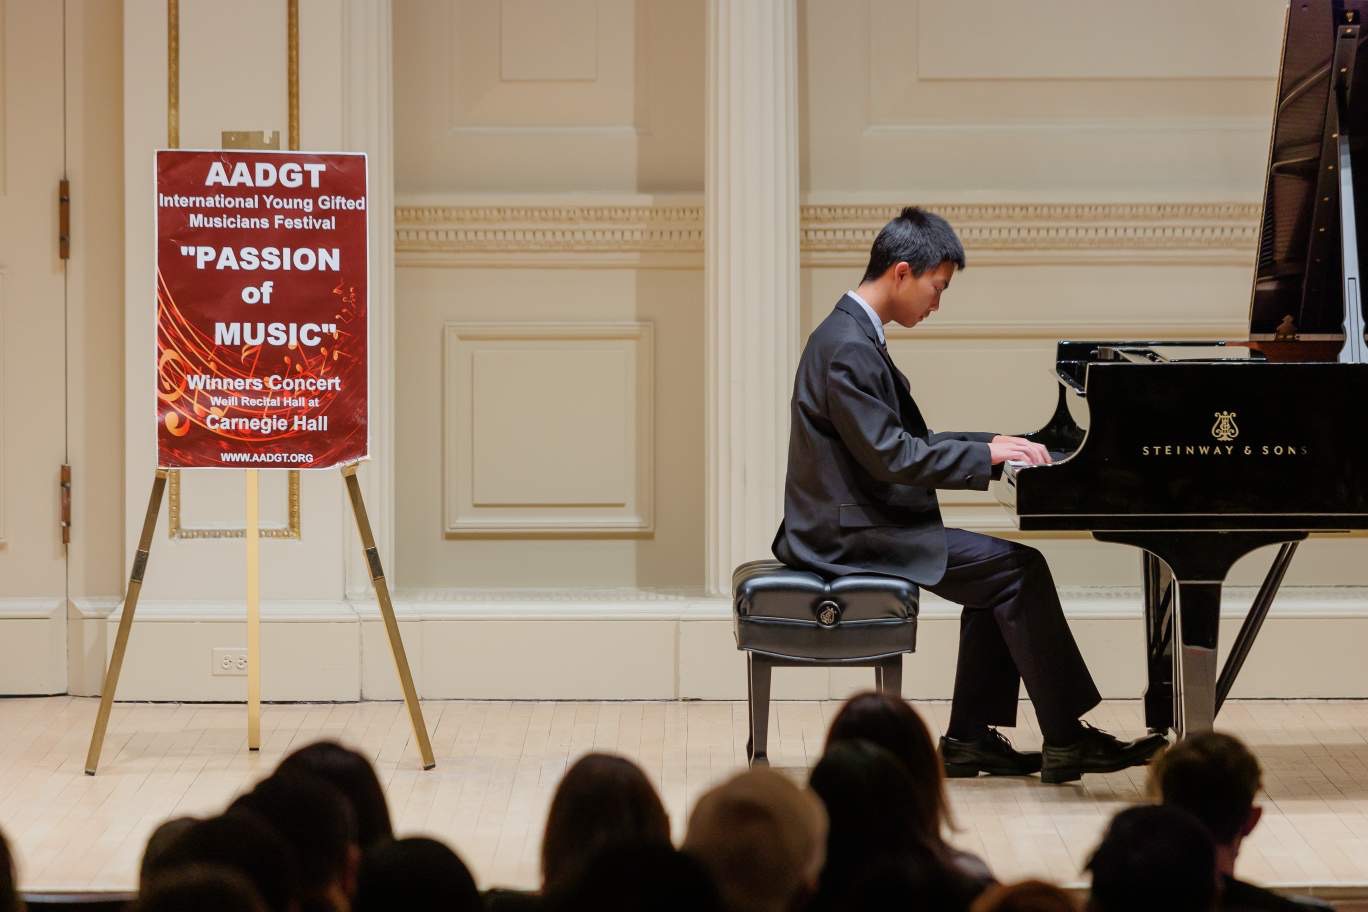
[[992, 754], [1096, 752]]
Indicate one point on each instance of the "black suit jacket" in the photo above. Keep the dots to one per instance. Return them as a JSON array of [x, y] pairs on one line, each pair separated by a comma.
[[862, 465]]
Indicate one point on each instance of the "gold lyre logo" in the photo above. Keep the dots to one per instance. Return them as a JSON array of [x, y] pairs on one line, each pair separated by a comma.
[[1225, 429]]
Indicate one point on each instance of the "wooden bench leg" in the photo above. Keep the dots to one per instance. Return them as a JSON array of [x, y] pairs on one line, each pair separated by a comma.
[[757, 701], [888, 676]]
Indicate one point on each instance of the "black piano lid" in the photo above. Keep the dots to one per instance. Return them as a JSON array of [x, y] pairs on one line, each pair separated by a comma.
[[1298, 272]]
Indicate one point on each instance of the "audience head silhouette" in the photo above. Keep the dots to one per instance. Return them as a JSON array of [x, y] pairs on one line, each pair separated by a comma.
[[317, 822], [872, 804], [762, 838], [916, 878], [645, 876], [242, 842], [415, 874], [162, 838], [1153, 857], [202, 888], [602, 801], [1026, 896], [353, 775], [9, 897], [892, 723], [1215, 778]]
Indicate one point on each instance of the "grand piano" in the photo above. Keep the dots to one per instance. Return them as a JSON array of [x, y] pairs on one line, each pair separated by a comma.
[[1200, 452]]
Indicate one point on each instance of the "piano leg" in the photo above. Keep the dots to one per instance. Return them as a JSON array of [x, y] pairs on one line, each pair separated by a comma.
[[1158, 643], [1194, 657], [1198, 562]]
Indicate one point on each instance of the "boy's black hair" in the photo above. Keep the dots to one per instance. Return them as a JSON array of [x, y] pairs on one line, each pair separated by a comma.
[[921, 239]]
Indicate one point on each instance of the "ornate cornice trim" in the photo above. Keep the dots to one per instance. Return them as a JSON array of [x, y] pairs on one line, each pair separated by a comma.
[[671, 235], [1052, 232]]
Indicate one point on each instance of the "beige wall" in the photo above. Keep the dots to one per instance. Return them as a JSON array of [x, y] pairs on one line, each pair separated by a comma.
[[546, 96], [569, 436], [95, 350], [530, 109], [1104, 167]]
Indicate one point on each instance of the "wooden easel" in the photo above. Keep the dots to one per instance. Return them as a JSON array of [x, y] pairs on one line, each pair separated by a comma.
[[135, 576], [135, 581]]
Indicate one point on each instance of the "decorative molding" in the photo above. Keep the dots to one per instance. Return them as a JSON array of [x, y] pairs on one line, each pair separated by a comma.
[[627, 603], [95, 607], [668, 235], [567, 637], [44, 608], [319, 611], [1051, 232], [1072, 329], [174, 529], [465, 514], [671, 234]]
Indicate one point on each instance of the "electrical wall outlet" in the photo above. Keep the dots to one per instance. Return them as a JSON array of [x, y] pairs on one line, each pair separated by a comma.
[[230, 660]]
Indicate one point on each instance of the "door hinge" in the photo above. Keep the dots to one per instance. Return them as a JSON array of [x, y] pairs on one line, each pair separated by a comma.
[[64, 219], [66, 504]]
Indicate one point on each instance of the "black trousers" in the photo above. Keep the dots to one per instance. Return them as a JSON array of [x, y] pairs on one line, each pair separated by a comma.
[[1012, 630]]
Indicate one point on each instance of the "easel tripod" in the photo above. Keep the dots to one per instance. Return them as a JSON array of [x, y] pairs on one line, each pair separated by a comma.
[[135, 581]]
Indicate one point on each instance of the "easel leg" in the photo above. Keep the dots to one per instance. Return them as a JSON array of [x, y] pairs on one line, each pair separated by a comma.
[[253, 534], [135, 581], [382, 594]]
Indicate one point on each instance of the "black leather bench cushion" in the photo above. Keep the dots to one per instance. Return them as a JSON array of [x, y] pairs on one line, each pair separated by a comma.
[[798, 615]]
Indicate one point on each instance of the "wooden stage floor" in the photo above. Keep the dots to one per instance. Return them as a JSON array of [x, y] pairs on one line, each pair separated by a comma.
[[498, 763]]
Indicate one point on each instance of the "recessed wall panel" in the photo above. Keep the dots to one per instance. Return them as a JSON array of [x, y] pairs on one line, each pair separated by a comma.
[[548, 429], [1085, 39], [548, 40]]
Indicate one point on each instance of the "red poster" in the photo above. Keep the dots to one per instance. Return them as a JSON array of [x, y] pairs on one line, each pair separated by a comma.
[[261, 309]]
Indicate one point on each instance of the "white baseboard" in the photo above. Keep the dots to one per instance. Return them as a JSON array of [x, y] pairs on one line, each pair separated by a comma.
[[604, 645]]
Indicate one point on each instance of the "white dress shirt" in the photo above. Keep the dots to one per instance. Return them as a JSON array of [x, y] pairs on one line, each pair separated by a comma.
[[873, 317]]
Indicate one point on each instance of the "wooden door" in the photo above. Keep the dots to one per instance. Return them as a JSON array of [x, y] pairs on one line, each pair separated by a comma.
[[32, 343]]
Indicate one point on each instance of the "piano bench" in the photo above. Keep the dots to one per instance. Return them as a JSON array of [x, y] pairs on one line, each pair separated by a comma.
[[787, 617]]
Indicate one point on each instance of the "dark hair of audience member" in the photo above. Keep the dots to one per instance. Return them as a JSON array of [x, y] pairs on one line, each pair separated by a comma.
[[162, 838], [414, 874], [352, 775], [602, 800], [892, 723], [1153, 857], [204, 888], [914, 879], [316, 820], [634, 877], [9, 895], [241, 841], [1026, 896], [872, 805], [1212, 776]]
